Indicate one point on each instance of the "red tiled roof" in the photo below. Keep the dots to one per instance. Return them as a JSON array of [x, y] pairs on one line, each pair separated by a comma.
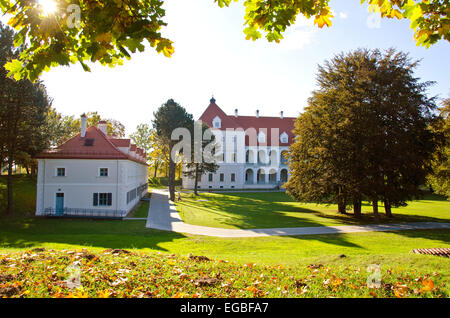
[[123, 143], [264, 124], [95, 145]]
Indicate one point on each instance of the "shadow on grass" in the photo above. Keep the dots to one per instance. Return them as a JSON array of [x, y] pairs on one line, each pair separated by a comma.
[[442, 235], [269, 210], [30, 232]]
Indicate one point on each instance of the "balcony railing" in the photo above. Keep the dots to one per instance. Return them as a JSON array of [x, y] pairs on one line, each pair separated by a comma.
[[84, 213]]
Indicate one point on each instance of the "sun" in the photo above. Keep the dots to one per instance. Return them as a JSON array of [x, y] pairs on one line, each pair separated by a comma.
[[48, 6]]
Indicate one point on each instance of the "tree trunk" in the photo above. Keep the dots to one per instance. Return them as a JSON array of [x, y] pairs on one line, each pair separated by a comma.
[[341, 202], [10, 185], [387, 208], [375, 209], [156, 170], [357, 207], [171, 175], [196, 179]]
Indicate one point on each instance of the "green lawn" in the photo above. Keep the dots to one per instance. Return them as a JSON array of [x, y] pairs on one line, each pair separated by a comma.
[[141, 211], [391, 250], [24, 194], [276, 209]]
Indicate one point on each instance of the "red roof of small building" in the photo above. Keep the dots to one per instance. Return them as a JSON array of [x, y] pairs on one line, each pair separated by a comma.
[[95, 145], [123, 143], [264, 124]]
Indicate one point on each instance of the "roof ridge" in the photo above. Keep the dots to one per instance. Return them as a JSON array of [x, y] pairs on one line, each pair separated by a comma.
[[108, 140]]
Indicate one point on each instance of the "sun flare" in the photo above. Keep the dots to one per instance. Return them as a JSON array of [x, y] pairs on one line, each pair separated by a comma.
[[48, 6]]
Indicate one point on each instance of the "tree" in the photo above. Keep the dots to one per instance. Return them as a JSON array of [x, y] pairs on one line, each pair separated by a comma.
[[24, 107], [61, 128], [79, 31], [167, 118], [159, 153], [429, 19], [108, 32], [194, 169], [364, 133], [439, 179], [142, 137]]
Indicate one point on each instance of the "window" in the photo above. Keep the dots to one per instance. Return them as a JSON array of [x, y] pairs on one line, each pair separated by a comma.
[[210, 177], [233, 177], [60, 172], [89, 142], [261, 137], [102, 199], [222, 177], [217, 123], [284, 138], [103, 172], [233, 157]]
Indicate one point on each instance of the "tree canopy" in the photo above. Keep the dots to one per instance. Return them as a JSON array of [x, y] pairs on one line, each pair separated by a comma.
[[365, 133], [440, 177], [108, 32], [194, 169], [142, 137], [23, 113], [167, 118]]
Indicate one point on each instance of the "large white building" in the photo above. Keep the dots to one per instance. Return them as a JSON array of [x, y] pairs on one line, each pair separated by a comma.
[[253, 149], [92, 174]]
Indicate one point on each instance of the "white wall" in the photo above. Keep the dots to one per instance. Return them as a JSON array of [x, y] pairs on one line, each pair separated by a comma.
[[82, 180]]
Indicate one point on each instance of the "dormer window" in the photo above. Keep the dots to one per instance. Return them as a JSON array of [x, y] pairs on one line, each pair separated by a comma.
[[217, 123], [261, 137], [284, 138]]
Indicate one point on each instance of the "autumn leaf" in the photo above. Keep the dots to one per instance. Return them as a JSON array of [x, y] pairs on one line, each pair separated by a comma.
[[427, 284], [103, 294], [171, 262], [323, 18]]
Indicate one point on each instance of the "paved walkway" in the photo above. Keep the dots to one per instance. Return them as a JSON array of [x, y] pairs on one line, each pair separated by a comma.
[[162, 215]]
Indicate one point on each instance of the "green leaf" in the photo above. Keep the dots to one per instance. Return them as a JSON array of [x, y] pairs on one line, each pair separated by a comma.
[[15, 69]]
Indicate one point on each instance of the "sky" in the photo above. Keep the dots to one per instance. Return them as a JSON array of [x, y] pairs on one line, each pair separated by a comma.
[[212, 58]]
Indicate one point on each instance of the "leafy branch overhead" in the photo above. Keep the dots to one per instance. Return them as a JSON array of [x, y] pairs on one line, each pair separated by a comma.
[[429, 18], [108, 31], [102, 31]]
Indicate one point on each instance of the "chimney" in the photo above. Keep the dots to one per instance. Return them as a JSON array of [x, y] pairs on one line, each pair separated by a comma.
[[102, 125], [257, 113], [281, 114], [83, 125], [236, 113]]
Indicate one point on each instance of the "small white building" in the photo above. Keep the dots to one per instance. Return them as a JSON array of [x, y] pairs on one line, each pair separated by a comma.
[[91, 175], [252, 150]]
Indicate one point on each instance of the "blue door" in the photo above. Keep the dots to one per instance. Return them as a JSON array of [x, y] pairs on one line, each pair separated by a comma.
[[59, 209]]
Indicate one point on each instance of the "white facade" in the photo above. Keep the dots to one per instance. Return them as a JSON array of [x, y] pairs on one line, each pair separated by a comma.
[[89, 187], [245, 167]]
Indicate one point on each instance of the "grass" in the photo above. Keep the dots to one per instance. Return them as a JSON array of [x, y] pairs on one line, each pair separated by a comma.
[[276, 209], [141, 210], [120, 273], [18, 234], [161, 259], [24, 194]]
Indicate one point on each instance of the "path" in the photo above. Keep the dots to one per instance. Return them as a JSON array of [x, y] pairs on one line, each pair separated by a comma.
[[162, 215]]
